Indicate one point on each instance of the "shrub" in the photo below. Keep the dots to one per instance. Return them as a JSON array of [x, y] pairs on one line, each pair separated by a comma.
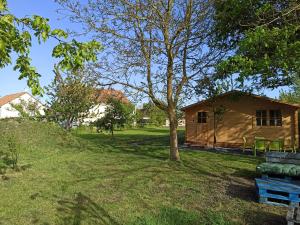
[[11, 157]]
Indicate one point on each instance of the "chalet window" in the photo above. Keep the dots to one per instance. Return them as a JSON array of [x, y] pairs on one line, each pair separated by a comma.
[[202, 117], [275, 118], [261, 117]]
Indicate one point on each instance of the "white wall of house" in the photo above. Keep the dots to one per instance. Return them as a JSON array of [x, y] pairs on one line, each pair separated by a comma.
[[8, 111], [95, 113], [181, 123]]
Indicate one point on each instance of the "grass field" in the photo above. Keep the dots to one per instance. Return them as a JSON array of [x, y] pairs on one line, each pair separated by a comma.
[[88, 178]]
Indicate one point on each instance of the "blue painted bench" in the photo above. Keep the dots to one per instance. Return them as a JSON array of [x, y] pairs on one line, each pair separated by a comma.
[[281, 193], [280, 187]]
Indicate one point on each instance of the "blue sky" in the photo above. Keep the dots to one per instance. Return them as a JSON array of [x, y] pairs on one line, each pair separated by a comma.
[[41, 54]]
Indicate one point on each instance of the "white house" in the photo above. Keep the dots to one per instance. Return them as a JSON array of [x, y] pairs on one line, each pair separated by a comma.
[[8, 103], [181, 122], [98, 110]]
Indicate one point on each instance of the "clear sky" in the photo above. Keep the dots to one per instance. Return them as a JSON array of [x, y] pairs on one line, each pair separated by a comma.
[[41, 54]]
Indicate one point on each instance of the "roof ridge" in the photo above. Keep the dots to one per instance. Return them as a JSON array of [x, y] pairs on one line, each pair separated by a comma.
[[245, 93], [8, 98]]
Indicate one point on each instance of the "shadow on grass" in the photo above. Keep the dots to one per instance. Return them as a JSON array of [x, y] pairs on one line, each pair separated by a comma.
[[156, 130], [244, 191], [139, 145], [82, 210], [175, 216], [145, 146], [261, 217]]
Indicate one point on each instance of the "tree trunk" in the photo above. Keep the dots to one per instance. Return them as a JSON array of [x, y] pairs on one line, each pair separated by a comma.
[[68, 124], [174, 153], [112, 130], [215, 131]]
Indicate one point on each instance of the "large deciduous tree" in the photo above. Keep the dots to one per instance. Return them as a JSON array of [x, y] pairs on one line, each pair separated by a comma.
[[16, 38], [155, 47], [263, 37]]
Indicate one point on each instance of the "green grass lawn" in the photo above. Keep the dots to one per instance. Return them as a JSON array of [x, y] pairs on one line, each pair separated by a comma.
[[88, 178]]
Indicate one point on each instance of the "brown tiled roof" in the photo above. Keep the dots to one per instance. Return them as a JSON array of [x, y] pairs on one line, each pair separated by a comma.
[[241, 93], [8, 98], [104, 95]]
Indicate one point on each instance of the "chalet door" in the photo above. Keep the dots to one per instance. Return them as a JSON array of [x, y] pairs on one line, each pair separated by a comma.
[[191, 134], [201, 136]]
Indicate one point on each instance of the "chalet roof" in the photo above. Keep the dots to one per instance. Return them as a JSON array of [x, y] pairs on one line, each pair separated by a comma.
[[103, 95], [241, 93], [8, 98]]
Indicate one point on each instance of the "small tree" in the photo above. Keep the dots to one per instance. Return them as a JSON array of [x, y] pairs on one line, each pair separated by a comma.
[[70, 98], [117, 114], [27, 109], [13, 150]]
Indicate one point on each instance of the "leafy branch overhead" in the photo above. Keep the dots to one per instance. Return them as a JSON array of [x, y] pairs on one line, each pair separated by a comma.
[[264, 37], [16, 37]]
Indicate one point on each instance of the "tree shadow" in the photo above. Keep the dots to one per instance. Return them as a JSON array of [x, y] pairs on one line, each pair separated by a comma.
[[262, 217], [245, 173], [81, 209], [168, 216], [242, 190], [139, 145], [155, 130]]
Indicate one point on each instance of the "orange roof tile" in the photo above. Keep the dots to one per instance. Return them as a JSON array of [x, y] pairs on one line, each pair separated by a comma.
[[103, 95], [8, 98]]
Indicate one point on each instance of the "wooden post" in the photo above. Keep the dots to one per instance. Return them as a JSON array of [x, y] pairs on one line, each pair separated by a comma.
[[293, 216], [296, 124]]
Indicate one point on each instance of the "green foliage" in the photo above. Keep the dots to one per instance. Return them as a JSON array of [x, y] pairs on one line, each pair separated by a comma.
[[13, 150], [27, 109], [74, 54], [9, 155], [292, 96], [157, 117], [21, 110], [15, 37], [32, 136], [264, 37], [210, 87], [116, 115], [70, 97]]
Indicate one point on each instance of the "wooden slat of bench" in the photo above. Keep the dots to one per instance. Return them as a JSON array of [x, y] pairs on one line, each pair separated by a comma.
[[283, 161], [276, 185], [283, 157]]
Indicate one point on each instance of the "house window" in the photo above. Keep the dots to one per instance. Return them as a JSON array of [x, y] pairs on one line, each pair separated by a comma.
[[275, 118], [202, 117], [261, 118]]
